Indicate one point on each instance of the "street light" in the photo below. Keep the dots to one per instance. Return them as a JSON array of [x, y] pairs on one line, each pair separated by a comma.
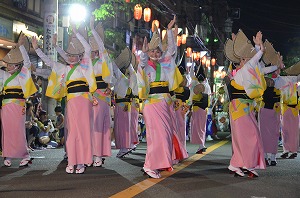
[[77, 12]]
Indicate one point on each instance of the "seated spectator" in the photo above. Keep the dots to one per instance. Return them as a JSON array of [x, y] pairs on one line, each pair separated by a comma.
[[46, 138], [60, 120], [32, 129]]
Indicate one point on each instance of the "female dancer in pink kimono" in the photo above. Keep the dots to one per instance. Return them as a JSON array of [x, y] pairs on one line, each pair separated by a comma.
[[135, 104], [247, 84], [79, 80], [159, 70], [200, 96], [17, 85], [102, 65]]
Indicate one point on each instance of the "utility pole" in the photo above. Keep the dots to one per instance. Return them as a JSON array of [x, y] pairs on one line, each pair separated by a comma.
[[50, 28]]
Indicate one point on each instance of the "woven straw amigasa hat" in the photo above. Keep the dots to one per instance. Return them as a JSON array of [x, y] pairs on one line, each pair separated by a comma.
[[270, 56], [228, 51], [134, 61], [293, 70], [155, 41], [242, 46], [75, 47], [124, 59], [99, 29], [14, 56]]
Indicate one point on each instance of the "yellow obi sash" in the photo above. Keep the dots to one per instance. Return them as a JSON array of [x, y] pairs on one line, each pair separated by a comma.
[[240, 107], [294, 109], [13, 94], [100, 82], [159, 87], [78, 87]]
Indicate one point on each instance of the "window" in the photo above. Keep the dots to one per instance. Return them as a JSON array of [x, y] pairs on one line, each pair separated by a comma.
[[20, 4], [30, 5], [34, 6], [37, 6]]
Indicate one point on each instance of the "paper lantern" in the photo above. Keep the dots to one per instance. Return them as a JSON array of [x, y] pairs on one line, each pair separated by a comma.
[[213, 62], [194, 55], [137, 11], [183, 39], [189, 52], [147, 14], [178, 41], [207, 63], [163, 34], [127, 1], [203, 60], [155, 23]]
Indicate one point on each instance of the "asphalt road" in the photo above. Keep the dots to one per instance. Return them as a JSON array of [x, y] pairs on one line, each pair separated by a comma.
[[198, 176]]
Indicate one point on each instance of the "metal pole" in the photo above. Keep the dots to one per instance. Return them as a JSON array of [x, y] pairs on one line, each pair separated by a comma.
[[50, 27]]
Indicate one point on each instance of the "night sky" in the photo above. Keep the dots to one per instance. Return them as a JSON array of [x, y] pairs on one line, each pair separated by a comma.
[[278, 20]]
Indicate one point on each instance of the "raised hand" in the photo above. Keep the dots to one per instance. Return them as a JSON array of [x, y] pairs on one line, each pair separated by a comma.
[[92, 22], [34, 43], [258, 38], [175, 32], [21, 40], [145, 47], [233, 36], [73, 26], [172, 22], [280, 58]]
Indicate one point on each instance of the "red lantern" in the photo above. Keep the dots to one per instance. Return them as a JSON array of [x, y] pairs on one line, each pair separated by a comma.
[[127, 1], [138, 11], [155, 23], [183, 39], [189, 52], [147, 14]]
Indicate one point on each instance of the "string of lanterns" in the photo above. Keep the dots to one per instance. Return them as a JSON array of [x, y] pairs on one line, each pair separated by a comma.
[[181, 39], [138, 12]]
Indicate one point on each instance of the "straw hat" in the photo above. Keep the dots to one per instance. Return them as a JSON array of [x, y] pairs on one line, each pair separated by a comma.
[[293, 70], [134, 61], [228, 51], [93, 43], [99, 29], [14, 56], [75, 47], [44, 139], [199, 88], [270, 56], [124, 59], [242, 46], [155, 40]]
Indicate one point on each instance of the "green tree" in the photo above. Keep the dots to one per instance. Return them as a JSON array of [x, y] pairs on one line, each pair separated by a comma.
[[107, 11], [293, 55]]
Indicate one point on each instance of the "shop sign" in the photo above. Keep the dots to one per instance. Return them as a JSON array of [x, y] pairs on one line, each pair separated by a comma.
[[50, 28], [6, 28]]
